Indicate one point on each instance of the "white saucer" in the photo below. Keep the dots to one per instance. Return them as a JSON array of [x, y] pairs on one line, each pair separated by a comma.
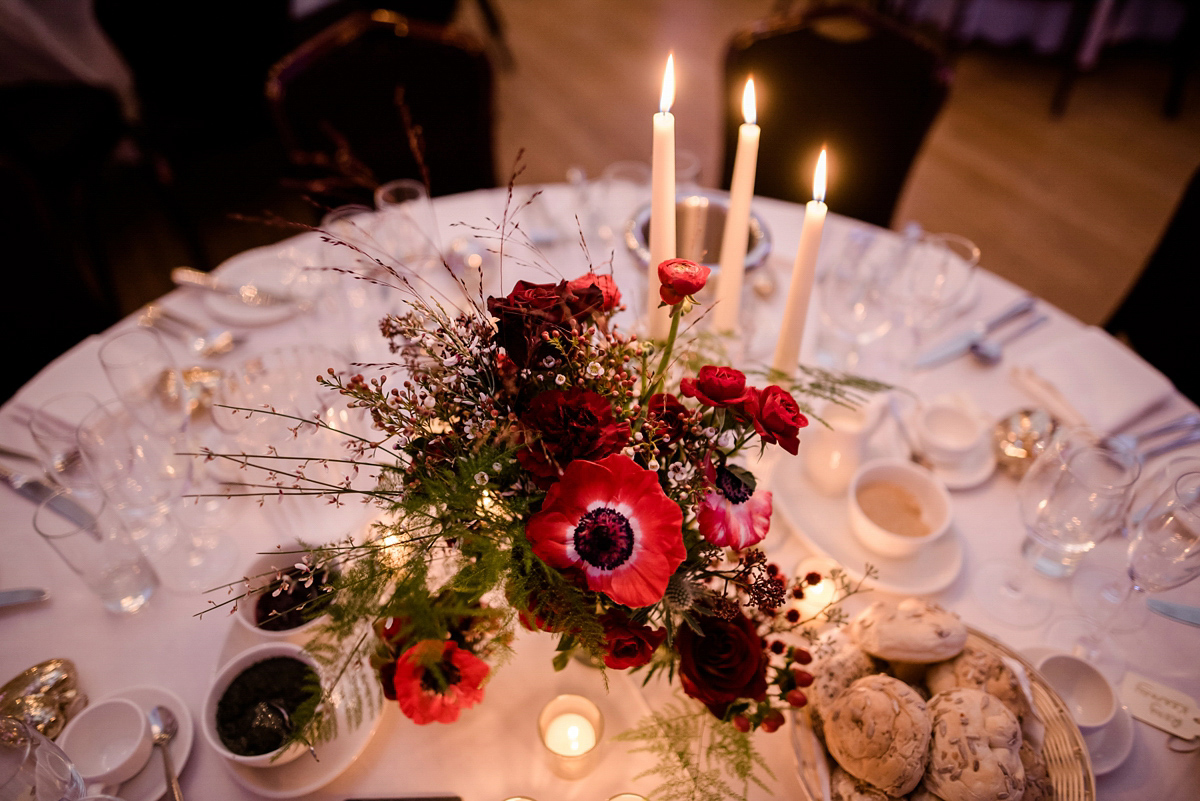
[[273, 268], [823, 523], [1111, 746], [306, 775], [150, 784]]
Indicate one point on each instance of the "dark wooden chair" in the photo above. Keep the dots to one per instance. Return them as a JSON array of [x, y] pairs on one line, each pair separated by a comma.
[[845, 77], [1158, 315], [356, 104]]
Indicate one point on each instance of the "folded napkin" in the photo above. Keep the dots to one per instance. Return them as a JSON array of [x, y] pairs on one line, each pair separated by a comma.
[[1088, 377]]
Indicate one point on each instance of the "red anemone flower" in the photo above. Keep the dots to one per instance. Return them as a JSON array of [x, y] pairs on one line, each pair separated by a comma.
[[611, 520], [426, 697]]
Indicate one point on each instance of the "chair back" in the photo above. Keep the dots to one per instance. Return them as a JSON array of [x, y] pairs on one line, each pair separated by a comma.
[[1158, 313], [841, 76], [352, 98]]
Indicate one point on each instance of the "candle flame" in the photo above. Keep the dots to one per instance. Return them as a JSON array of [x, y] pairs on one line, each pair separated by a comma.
[[668, 90], [819, 179], [749, 105]]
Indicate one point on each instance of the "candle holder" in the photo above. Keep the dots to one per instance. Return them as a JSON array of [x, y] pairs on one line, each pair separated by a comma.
[[570, 727]]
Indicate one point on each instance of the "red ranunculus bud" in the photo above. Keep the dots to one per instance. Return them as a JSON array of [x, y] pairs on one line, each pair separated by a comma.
[[796, 698], [741, 723], [680, 278], [803, 677], [802, 656]]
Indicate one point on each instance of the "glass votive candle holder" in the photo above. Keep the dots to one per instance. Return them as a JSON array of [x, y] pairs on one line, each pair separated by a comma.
[[816, 596], [571, 727]]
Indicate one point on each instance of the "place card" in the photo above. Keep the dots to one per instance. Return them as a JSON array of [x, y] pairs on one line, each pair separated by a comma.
[[1161, 707]]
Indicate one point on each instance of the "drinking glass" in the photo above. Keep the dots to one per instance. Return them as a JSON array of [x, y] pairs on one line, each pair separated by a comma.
[[34, 769], [1072, 497], [147, 380], [407, 226], [53, 428], [855, 312], [145, 477], [100, 552], [1164, 553], [624, 186]]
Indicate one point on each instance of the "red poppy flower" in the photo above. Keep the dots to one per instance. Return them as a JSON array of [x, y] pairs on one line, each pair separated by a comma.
[[715, 386], [629, 644], [611, 520], [427, 697], [732, 515], [680, 278], [776, 416]]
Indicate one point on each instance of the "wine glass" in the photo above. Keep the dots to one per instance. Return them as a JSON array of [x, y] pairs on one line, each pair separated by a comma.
[[34, 769], [147, 381], [407, 225], [1072, 497], [1164, 553], [854, 309]]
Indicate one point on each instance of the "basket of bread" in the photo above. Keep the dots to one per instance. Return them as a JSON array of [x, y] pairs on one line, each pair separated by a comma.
[[907, 702]]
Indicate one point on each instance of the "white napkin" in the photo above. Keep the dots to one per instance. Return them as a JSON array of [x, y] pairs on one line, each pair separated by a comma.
[[1089, 378]]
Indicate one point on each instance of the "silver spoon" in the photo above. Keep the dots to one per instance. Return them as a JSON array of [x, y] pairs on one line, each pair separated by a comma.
[[989, 352], [163, 727]]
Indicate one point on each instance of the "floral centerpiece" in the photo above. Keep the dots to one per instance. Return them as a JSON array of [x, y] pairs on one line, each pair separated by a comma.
[[541, 468]]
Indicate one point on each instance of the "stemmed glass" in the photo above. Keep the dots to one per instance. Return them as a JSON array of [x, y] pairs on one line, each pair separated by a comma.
[[32, 767], [1073, 496], [407, 227], [1164, 553], [854, 308]]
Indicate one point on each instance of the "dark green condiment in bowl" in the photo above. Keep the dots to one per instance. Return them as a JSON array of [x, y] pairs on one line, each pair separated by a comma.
[[249, 711]]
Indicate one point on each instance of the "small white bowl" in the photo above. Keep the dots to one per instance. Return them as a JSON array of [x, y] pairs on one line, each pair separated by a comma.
[[928, 490], [230, 671], [1083, 688], [261, 573], [109, 742]]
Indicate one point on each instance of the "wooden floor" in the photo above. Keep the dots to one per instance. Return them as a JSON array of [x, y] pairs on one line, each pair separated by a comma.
[[1069, 208]]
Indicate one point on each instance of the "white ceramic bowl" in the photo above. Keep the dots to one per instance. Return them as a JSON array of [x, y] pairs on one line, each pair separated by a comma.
[[225, 676], [928, 490], [1083, 688], [260, 574], [109, 742]]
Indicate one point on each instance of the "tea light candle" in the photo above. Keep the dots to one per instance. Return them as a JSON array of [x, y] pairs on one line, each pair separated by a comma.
[[662, 204], [737, 221], [819, 595], [570, 728], [804, 271]]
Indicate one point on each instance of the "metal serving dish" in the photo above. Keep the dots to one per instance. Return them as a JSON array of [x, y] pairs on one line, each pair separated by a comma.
[[699, 226]]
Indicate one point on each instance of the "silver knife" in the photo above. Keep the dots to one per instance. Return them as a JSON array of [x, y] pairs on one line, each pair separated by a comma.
[[40, 491], [23, 596], [1180, 612], [959, 344], [249, 294]]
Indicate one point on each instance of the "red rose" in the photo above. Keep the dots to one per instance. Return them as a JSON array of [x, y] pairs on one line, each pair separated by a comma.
[[716, 386], [521, 317], [680, 278], [629, 644], [776, 416], [571, 424], [593, 293], [723, 663]]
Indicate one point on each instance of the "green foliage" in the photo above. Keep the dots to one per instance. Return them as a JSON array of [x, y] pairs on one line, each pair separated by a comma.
[[697, 757]]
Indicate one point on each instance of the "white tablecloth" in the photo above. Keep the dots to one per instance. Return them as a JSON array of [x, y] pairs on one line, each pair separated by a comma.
[[493, 753]]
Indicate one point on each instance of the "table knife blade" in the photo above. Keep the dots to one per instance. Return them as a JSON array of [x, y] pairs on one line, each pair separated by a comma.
[[22, 596], [40, 491], [1181, 612], [959, 344]]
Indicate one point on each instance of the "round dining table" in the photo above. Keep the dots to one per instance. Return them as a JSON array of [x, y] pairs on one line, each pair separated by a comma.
[[493, 752]]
